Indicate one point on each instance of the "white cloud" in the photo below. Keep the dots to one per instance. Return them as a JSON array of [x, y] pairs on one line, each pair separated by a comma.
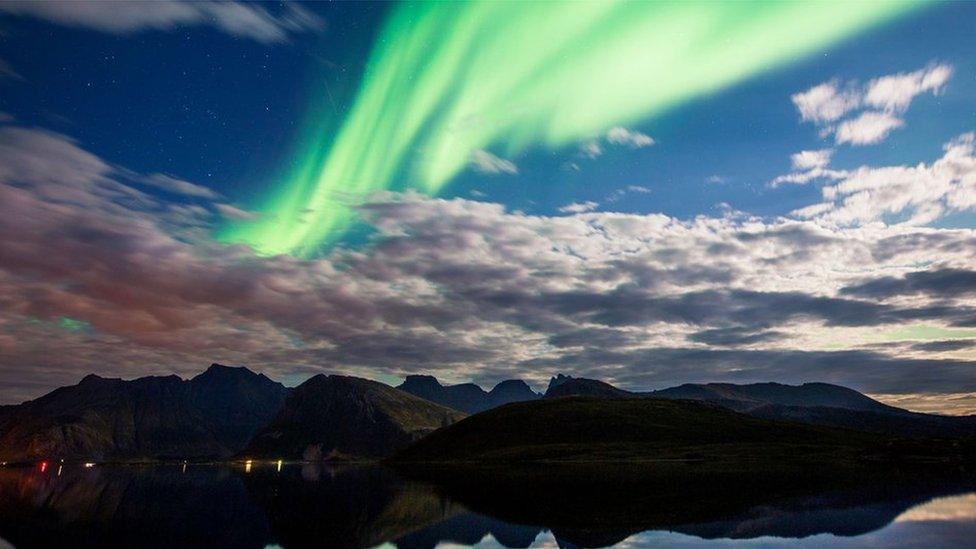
[[178, 186], [808, 160], [467, 289], [460, 288], [622, 136], [809, 166], [235, 213], [579, 207], [868, 128], [618, 136], [485, 162], [591, 149], [913, 195], [620, 193], [41, 157], [885, 97], [825, 102], [894, 93], [802, 178], [243, 19]]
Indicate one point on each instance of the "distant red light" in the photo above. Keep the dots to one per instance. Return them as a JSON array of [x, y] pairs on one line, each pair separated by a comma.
[[43, 466]]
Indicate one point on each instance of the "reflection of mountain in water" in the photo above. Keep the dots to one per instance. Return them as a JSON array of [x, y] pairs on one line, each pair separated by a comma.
[[130, 507], [468, 529], [349, 507], [305, 506]]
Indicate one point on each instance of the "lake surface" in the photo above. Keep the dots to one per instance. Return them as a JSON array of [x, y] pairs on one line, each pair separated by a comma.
[[301, 505]]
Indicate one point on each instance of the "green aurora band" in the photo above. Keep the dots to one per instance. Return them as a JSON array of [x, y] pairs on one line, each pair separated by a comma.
[[446, 79]]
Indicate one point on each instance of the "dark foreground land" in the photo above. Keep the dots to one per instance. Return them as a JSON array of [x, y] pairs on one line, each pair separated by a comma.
[[654, 432]]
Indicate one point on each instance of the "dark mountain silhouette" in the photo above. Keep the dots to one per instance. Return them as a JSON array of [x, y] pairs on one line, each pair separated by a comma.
[[822, 404], [347, 417], [599, 429], [510, 390], [467, 397], [212, 415], [812, 403], [745, 398], [563, 386], [218, 413]]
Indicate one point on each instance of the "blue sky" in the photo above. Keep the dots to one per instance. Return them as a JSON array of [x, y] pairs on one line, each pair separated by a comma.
[[129, 138]]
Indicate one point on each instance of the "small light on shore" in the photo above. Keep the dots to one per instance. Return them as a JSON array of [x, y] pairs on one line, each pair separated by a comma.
[[89, 464], [247, 466], [279, 465]]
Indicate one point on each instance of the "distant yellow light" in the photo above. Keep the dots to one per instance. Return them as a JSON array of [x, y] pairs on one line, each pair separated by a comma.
[[247, 466], [279, 465], [89, 465]]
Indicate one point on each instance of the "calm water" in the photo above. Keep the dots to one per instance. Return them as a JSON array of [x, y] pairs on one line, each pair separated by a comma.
[[311, 506]]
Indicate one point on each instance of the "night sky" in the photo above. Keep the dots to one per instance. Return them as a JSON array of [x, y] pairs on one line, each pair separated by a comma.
[[646, 193]]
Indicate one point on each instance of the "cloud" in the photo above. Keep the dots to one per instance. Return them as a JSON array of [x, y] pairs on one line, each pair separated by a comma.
[[485, 162], [809, 166], [579, 207], [6, 71], [633, 139], [957, 404], [942, 283], [245, 20], [235, 213], [734, 337], [894, 93], [591, 149], [913, 195], [629, 189], [884, 98], [808, 160], [178, 186], [868, 128], [825, 102], [618, 136], [462, 289], [41, 157], [945, 345]]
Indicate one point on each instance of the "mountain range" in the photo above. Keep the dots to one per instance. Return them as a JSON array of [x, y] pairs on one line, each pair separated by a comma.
[[468, 397], [340, 417], [810, 403], [226, 412], [212, 415]]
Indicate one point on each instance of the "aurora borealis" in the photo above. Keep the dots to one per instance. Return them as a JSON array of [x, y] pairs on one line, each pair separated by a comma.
[[648, 193], [447, 79]]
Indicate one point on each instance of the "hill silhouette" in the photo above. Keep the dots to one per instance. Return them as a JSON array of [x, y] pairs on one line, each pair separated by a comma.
[[341, 417], [212, 415], [467, 397]]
